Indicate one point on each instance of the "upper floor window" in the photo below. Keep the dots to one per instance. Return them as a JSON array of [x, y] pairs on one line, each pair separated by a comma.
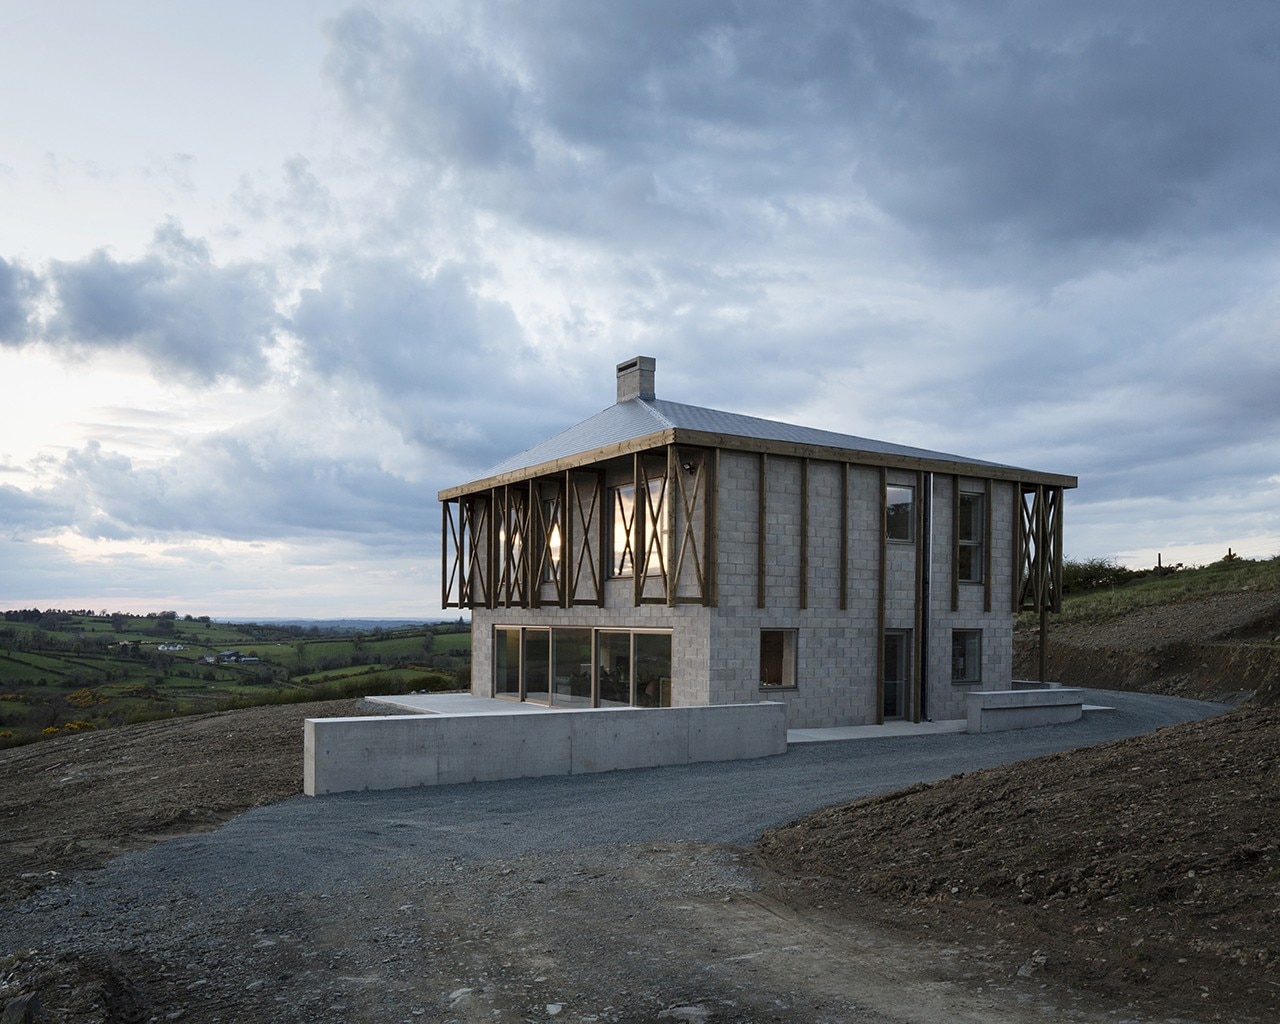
[[554, 541], [900, 504], [637, 532], [970, 537]]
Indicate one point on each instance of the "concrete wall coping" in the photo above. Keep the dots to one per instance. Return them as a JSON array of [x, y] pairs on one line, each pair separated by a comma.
[[1025, 698]]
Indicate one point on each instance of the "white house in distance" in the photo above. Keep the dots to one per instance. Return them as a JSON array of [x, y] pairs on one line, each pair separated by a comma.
[[660, 554]]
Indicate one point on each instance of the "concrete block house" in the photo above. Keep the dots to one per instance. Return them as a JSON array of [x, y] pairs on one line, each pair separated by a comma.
[[660, 554]]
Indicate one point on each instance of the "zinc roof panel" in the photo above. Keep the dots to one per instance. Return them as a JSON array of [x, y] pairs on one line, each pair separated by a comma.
[[639, 417]]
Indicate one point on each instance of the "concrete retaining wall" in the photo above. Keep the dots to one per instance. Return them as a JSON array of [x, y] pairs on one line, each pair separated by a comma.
[[997, 710], [400, 751]]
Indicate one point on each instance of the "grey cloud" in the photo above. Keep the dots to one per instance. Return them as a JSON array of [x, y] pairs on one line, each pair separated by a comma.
[[447, 364], [986, 128], [18, 289], [247, 486], [190, 317], [24, 514], [441, 97]]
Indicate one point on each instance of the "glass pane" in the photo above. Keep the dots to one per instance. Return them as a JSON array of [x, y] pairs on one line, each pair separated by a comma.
[[966, 655], [571, 654], [895, 674], [899, 502], [653, 670], [613, 658], [506, 663], [537, 665], [777, 657], [970, 524], [969, 565], [655, 529], [551, 557], [624, 514]]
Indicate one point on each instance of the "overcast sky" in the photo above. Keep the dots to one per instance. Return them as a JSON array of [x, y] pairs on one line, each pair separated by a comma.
[[271, 275]]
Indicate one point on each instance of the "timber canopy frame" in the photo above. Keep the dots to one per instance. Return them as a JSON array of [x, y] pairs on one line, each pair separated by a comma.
[[526, 538]]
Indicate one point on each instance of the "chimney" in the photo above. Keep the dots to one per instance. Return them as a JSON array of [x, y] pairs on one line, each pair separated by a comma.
[[635, 378]]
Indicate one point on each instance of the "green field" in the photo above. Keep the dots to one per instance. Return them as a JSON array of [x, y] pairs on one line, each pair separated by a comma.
[[66, 672]]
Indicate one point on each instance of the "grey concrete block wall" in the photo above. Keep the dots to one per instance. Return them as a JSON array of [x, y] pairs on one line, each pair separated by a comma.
[[947, 700], [716, 650]]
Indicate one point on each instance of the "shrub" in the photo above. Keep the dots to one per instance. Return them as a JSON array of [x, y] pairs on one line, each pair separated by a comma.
[[1081, 576], [85, 698]]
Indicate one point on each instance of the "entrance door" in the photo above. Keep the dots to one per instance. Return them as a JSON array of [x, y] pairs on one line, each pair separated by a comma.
[[897, 671]]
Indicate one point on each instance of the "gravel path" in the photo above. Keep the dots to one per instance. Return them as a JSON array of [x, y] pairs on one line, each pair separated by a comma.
[[590, 898]]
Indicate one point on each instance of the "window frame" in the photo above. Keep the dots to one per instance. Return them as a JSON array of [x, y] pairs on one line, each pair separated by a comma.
[[624, 545], [788, 655], [972, 666], [517, 639], [890, 520], [975, 544]]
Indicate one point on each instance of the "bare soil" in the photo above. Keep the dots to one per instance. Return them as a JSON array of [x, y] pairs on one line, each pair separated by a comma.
[[1137, 880]]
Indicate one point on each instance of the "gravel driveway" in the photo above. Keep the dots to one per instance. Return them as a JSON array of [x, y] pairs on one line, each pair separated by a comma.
[[616, 897]]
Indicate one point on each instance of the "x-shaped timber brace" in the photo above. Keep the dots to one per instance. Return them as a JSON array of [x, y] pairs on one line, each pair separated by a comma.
[[544, 541], [1038, 580]]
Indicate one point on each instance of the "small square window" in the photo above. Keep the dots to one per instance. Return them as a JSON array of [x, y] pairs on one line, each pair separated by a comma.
[[966, 655], [900, 504], [777, 658]]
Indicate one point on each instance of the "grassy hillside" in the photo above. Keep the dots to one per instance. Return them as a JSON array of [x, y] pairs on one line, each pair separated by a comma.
[[75, 671], [1096, 590]]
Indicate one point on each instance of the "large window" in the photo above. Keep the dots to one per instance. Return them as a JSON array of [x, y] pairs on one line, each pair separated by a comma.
[[966, 655], [777, 657], [536, 665], [506, 662], [637, 534], [971, 531], [652, 669], [613, 667], [571, 667], [900, 504], [581, 667]]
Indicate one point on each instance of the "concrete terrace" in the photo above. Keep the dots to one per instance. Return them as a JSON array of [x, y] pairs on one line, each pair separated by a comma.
[[468, 704]]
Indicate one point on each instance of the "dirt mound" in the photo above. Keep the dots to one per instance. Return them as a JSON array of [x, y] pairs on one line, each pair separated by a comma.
[[1220, 647], [77, 801], [1144, 869]]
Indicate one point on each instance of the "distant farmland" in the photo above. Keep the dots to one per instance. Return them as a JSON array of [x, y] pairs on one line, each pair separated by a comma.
[[63, 671]]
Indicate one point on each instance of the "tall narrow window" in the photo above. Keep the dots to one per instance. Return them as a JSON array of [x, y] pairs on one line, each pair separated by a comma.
[[777, 657], [613, 665], [653, 670], [571, 667], [897, 670], [970, 534], [537, 665], [900, 507], [966, 655], [638, 533], [506, 662], [551, 523], [623, 513]]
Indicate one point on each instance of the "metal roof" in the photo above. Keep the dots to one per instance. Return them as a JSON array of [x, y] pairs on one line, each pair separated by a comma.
[[639, 418]]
